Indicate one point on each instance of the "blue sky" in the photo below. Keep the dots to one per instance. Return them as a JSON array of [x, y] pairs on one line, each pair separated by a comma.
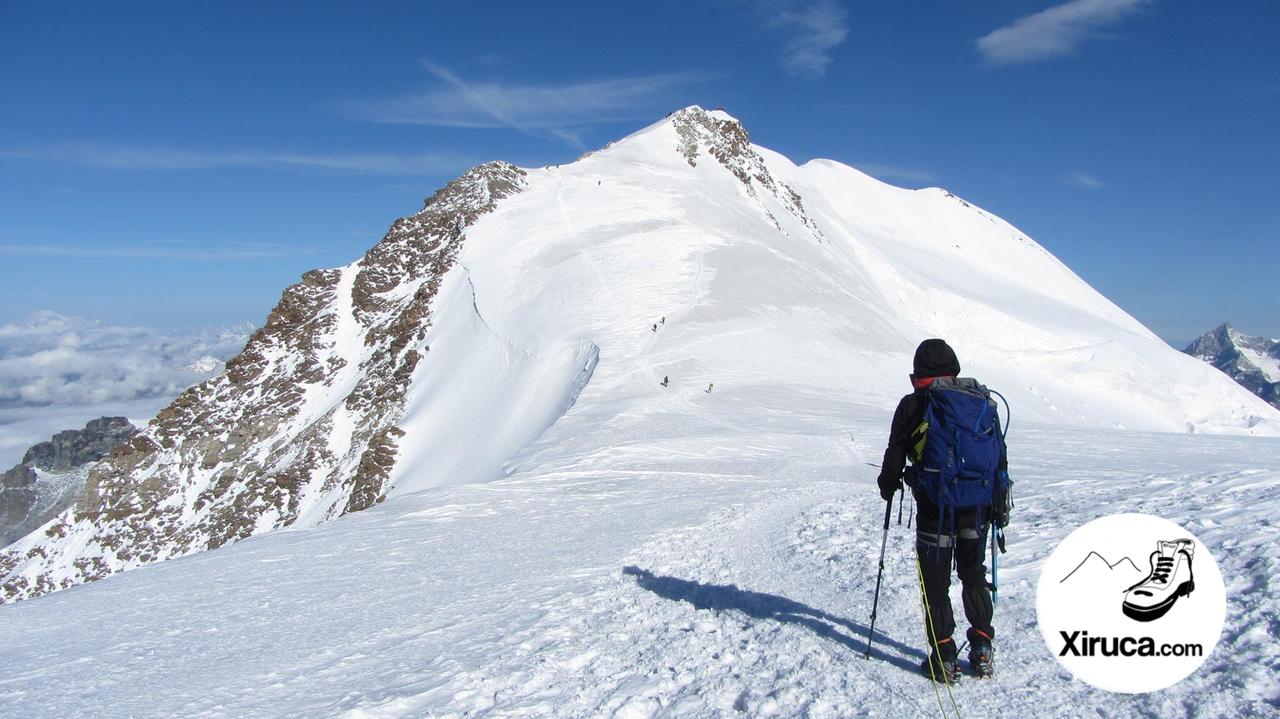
[[176, 165]]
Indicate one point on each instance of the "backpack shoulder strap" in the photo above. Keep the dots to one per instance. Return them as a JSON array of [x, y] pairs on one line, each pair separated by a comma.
[[920, 429]]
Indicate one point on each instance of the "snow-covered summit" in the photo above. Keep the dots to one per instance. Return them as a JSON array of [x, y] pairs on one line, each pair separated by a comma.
[[517, 296], [204, 365]]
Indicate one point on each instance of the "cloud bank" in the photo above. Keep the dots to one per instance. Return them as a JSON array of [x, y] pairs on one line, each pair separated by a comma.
[[51, 359], [58, 372]]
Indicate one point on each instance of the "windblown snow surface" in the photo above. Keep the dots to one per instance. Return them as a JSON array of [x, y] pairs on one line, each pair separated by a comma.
[[702, 556], [566, 537]]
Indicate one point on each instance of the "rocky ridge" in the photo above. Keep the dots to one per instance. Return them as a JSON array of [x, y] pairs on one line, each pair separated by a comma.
[[51, 474], [1253, 362], [301, 425], [727, 141]]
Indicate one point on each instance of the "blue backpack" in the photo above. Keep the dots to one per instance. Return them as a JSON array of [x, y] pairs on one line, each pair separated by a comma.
[[956, 449]]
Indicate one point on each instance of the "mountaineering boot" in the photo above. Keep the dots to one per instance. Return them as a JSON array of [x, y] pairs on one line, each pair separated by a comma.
[[946, 671], [1170, 578], [982, 657], [942, 669]]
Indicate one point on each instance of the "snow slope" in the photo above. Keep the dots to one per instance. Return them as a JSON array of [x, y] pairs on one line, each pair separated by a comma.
[[518, 297], [831, 291], [702, 556], [1265, 363]]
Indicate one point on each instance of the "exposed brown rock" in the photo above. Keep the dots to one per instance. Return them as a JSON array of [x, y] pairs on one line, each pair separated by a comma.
[[728, 142]]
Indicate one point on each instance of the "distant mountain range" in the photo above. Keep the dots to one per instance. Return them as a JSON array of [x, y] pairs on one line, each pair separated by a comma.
[[1254, 362]]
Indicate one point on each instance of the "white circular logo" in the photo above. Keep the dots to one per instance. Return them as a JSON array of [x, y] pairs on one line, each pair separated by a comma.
[[1131, 603]]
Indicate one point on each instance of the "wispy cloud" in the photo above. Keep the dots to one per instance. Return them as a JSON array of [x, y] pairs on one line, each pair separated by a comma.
[[1055, 31], [1085, 180], [158, 158], [155, 251], [541, 110], [895, 172], [814, 29]]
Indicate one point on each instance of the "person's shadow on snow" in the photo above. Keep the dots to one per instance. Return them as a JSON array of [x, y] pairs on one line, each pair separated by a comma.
[[720, 597]]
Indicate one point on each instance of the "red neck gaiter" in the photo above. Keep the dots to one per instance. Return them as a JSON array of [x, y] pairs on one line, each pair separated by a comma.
[[922, 382]]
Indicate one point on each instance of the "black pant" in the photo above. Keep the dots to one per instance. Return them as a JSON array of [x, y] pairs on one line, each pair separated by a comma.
[[965, 543]]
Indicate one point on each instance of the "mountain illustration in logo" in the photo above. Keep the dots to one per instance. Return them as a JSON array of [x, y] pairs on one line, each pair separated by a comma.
[[1095, 569]]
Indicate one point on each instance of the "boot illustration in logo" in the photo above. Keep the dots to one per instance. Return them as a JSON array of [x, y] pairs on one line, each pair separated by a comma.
[[1169, 579]]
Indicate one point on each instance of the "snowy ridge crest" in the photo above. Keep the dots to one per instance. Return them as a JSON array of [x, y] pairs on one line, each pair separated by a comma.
[[299, 428]]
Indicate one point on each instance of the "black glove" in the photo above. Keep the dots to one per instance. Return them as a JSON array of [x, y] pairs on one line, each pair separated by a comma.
[[888, 487], [1002, 507]]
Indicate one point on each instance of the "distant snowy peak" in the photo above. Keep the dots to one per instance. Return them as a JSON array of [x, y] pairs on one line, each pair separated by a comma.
[[205, 365], [1254, 362]]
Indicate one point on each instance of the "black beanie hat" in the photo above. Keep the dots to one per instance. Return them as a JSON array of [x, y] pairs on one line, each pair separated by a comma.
[[934, 358]]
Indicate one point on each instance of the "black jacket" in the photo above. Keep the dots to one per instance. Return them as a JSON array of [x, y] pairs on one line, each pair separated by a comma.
[[906, 418]]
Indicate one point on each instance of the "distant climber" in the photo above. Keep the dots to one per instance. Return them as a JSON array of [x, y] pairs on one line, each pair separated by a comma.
[[655, 327], [664, 381], [710, 387], [664, 319]]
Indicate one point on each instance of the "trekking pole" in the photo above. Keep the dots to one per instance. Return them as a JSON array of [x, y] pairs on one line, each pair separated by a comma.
[[875, 604]]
